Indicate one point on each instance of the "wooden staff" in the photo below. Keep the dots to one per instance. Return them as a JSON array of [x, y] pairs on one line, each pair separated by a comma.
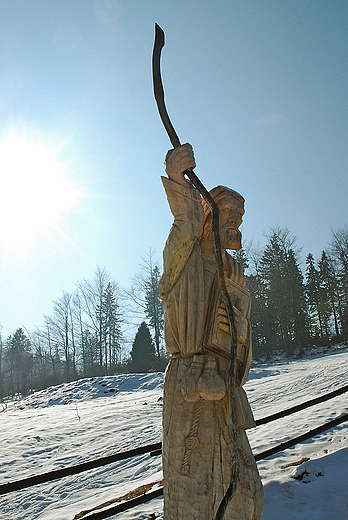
[[214, 209]]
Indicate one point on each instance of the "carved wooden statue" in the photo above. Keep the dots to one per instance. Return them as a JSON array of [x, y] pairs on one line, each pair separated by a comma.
[[198, 447]]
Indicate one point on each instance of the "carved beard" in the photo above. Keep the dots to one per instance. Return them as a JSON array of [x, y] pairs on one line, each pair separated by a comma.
[[232, 239]]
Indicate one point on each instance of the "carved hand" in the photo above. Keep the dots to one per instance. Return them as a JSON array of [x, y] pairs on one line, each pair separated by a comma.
[[179, 160]]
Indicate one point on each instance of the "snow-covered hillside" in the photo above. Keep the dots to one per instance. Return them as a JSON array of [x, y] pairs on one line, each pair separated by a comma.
[[96, 417]]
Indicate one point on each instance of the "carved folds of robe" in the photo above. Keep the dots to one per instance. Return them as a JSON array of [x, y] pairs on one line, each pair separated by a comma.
[[197, 443]]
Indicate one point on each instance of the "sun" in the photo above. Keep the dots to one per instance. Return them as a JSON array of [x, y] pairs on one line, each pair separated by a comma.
[[34, 191]]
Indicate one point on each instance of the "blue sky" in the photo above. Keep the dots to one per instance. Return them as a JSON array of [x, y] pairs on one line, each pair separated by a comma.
[[258, 88]]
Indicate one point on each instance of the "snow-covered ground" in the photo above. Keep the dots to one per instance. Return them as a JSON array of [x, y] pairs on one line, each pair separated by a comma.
[[97, 417]]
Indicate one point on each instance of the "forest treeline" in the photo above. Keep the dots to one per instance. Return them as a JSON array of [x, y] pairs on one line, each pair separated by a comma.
[[87, 334], [294, 306]]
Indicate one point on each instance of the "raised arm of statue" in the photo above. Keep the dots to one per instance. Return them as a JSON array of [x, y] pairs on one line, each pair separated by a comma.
[[186, 206]]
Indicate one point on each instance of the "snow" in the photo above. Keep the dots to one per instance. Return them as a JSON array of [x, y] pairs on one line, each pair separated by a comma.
[[80, 421]]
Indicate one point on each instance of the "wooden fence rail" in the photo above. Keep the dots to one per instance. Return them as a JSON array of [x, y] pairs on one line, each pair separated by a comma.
[[73, 470], [155, 449], [129, 504], [302, 406]]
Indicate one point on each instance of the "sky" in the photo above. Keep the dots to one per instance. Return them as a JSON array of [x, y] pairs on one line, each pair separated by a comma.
[[258, 88]]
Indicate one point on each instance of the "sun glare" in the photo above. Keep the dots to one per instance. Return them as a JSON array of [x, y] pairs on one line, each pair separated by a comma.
[[34, 191]]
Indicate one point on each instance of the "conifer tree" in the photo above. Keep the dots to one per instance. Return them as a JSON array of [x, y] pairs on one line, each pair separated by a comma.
[[331, 294], [313, 298], [297, 300], [18, 362], [153, 305], [273, 272], [111, 320], [339, 253], [144, 293], [284, 293], [143, 354], [259, 318]]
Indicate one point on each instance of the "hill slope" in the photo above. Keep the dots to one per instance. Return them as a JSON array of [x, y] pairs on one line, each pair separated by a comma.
[[96, 417]]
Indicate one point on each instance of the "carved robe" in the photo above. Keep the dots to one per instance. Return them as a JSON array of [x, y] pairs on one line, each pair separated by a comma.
[[197, 449]]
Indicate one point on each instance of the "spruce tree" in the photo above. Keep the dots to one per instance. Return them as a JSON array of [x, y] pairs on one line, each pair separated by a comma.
[[256, 287], [331, 294], [143, 354], [297, 301], [273, 273], [313, 298], [153, 305], [339, 254], [111, 320], [284, 293], [144, 293], [18, 362]]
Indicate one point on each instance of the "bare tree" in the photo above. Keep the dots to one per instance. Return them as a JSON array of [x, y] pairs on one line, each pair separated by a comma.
[[144, 294], [99, 303], [62, 333]]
